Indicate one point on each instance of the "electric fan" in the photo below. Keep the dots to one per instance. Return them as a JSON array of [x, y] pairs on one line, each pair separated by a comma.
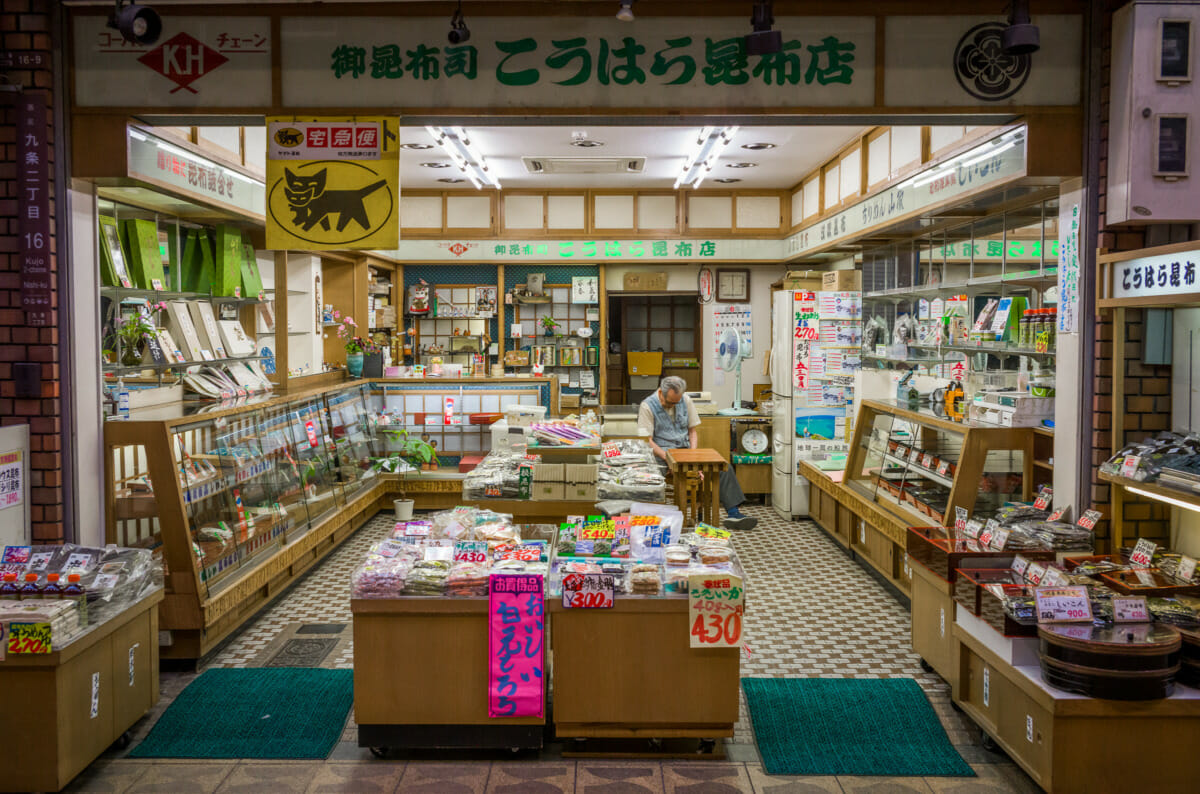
[[730, 354]]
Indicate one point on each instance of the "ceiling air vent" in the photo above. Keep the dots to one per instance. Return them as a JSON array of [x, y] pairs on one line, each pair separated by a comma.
[[584, 165]]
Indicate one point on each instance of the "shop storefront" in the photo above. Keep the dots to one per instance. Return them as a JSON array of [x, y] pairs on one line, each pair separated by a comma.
[[876, 339]]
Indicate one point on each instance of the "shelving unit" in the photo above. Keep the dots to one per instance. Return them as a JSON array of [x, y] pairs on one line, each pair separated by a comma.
[[1124, 490]]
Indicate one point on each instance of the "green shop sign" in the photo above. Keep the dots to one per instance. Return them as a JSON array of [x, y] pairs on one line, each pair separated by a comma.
[[610, 251]]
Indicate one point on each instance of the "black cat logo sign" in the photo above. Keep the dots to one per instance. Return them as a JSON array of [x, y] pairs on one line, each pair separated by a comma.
[[332, 183]]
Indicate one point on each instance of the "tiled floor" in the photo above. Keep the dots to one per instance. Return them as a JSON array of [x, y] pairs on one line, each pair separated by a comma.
[[812, 612]]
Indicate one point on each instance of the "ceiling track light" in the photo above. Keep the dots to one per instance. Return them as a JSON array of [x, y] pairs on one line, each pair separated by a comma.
[[137, 24], [704, 155], [1021, 37], [625, 11], [463, 152], [764, 40], [459, 32]]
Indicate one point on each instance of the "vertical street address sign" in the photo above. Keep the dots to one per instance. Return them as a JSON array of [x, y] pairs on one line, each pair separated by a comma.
[[33, 205]]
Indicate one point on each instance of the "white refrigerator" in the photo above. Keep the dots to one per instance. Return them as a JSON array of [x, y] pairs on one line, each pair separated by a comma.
[[789, 491]]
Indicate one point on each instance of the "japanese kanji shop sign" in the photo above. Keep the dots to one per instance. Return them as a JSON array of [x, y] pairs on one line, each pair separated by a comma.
[[33, 207], [630, 252], [1165, 274], [333, 183], [160, 162], [516, 661], [197, 62], [559, 62], [992, 163]]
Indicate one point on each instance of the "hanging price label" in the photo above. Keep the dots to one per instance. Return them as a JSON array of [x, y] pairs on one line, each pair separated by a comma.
[[1020, 565], [1044, 497], [960, 519], [1054, 577], [1089, 518], [1000, 539], [1063, 605], [1035, 573], [1143, 552], [988, 532], [715, 608], [1059, 513], [470, 551], [611, 450], [1129, 466], [588, 591], [1130, 610], [1187, 568]]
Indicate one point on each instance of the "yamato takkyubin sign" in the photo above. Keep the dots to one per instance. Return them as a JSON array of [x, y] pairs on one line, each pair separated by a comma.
[[333, 183]]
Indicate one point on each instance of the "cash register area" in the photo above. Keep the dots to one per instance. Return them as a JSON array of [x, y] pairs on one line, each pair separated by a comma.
[[815, 613]]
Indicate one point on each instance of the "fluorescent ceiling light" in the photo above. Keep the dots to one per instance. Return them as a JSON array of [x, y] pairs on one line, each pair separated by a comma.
[[457, 143], [703, 154]]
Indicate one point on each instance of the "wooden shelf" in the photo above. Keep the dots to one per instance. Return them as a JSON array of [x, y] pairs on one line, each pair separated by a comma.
[[1153, 491], [1041, 464]]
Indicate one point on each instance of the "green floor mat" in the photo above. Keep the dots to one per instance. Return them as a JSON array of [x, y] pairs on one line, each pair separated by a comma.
[[279, 712], [849, 726]]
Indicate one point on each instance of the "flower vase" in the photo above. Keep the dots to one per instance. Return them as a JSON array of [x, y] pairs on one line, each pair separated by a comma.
[[354, 364], [131, 356]]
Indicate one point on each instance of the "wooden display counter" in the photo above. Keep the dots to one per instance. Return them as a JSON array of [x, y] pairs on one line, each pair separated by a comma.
[[932, 603], [629, 672], [67, 707], [421, 674], [530, 511], [1071, 743]]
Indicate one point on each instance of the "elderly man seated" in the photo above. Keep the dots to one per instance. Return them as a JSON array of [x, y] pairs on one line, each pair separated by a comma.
[[670, 418]]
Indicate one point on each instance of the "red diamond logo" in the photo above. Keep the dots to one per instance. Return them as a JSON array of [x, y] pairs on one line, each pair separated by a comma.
[[183, 60], [458, 249]]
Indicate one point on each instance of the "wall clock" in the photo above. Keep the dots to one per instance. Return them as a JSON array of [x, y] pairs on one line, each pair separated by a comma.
[[733, 286]]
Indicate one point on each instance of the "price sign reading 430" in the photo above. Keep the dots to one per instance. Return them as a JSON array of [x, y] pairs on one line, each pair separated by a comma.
[[470, 551], [29, 638], [716, 605], [588, 591], [1063, 605]]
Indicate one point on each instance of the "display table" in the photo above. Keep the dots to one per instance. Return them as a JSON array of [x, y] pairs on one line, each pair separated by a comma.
[[1071, 743], [707, 463], [67, 707], [421, 676], [530, 511], [629, 672]]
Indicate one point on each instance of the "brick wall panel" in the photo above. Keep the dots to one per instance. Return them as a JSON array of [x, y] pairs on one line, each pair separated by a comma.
[[25, 25]]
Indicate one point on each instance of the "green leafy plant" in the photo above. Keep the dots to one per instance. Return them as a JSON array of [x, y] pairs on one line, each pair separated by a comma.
[[549, 324], [412, 451], [130, 332]]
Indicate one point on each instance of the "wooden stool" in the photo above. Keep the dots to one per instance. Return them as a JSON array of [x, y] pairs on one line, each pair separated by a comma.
[[691, 497]]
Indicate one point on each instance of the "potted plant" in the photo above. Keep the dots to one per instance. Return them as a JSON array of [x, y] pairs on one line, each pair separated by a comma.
[[354, 344], [549, 324], [372, 359], [410, 453], [131, 332]]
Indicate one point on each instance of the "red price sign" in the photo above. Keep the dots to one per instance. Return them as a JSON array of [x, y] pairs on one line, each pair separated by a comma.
[[943, 467], [611, 450], [1044, 498], [523, 553], [806, 332], [1089, 519], [716, 605], [29, 638], [1143, 552], [588, 591], [1130, 610], [960, 519], [470, 551]]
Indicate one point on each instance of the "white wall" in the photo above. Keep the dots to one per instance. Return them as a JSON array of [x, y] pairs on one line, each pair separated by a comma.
[[1185, 413], [87, 425], [682, 278], [1069, 365]]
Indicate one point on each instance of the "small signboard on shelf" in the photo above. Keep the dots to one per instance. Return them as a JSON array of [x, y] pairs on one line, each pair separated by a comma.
[[516, 628], [1063, 605], [716, 604]]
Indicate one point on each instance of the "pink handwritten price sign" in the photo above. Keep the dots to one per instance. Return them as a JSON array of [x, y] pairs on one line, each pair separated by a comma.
[[516, 652], [716, 604]]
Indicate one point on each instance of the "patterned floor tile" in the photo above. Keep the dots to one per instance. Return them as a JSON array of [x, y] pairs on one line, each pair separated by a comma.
[[283, 777], [812, 611]]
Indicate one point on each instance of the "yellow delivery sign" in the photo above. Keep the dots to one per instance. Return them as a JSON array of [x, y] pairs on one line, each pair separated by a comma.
[[333, 183]]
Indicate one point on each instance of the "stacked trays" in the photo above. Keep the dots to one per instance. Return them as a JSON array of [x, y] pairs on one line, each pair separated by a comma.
[[1123, 662], [1189, 669]]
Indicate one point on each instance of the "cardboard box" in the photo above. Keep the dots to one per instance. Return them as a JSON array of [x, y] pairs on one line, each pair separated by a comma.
[[547, 492], [645, 363], [801, 279], [841, 281], [547, 472], [580, 473], [579, 492], [568, 401], [645, 281]]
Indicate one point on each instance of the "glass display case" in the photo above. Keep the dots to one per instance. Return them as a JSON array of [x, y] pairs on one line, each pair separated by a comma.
[[919, 467]]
